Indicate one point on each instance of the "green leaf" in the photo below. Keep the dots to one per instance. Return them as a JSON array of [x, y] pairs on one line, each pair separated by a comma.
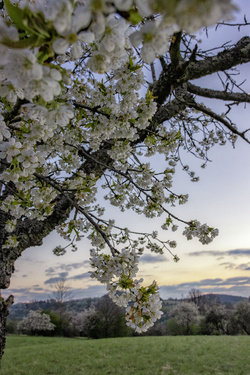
[[102, 88], [169, 221], [151, 139], [23, 43], [149, 97], [14, 165], [36, 24], [45, 53], [134, 17], [178, 135], [16, 14], [131, 65]]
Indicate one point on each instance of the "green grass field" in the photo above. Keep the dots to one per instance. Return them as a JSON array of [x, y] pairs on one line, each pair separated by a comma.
[[180, 355]]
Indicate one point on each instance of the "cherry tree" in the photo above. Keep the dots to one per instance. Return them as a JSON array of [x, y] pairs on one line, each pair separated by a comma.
[[79, 113], [34, 323], [186, 313]]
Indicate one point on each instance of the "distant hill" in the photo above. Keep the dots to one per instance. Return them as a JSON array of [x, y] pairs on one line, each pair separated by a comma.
[[226, 298], [19, 310]]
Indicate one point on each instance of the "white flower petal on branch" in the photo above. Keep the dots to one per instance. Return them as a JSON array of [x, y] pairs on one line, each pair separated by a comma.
[[60, 45]]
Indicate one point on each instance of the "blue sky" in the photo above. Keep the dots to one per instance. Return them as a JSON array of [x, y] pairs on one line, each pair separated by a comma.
[[221, 198]]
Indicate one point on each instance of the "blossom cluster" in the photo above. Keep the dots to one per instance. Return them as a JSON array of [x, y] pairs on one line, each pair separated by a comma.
[[35, 321], [205, 233], [118, 273], [77, 26]]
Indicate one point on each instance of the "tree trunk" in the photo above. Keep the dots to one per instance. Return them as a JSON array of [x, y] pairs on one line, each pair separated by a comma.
[[4, 311]]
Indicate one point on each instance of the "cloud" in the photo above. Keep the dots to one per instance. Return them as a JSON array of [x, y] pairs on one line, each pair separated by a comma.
[[63, 275], [51, 271], [17, 290], [234, 285], [52, 280], [149, 258], [228, 265], [80, 276], [206, 252], [242, 267], [239, 252], [235, 252], [90, 292], [40, 294], [241, 280], [74, 266]]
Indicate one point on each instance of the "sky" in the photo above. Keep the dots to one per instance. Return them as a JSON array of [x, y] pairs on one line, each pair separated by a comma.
[[221, 198]]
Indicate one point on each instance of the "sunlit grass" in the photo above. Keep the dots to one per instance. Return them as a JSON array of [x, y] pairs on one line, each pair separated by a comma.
[[181, 355]]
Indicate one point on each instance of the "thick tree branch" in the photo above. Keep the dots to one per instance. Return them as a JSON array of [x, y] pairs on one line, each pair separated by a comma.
[[171, 78], [217, 94], [30, 232], [10, 115], [4, 311], [227, 59], [170, 109]]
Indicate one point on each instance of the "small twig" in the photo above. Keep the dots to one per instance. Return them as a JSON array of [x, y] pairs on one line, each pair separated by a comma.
[[92, 109], [79, 208], [153, 71], [219, 118]]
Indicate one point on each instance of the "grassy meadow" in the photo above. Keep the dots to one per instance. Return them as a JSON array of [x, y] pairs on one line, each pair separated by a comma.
[[167, 355]]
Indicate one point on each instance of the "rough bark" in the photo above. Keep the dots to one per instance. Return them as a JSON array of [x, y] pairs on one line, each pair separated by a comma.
[[239, 97], [4, 311]]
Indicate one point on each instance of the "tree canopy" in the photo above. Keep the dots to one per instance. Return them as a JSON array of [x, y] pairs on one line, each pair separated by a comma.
[[90, 91]]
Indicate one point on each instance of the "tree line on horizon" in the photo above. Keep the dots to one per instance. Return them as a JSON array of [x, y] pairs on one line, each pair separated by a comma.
[[96, 318]]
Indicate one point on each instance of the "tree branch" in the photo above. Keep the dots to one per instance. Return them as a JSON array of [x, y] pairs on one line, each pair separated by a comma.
[[91, 109], [49, 181], [172, 108], [189, 70], [222, 120], [227, 59], [217, 94], [10, 115]]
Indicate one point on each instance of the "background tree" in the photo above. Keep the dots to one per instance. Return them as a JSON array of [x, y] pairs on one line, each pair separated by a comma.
[[195, 296], [36, 323], [63, 324], [87, 323], [241, 316], [61, 294], [113, 322], [216, 320], [199, 299], [104, 320], [187, 315], [64, 129]]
